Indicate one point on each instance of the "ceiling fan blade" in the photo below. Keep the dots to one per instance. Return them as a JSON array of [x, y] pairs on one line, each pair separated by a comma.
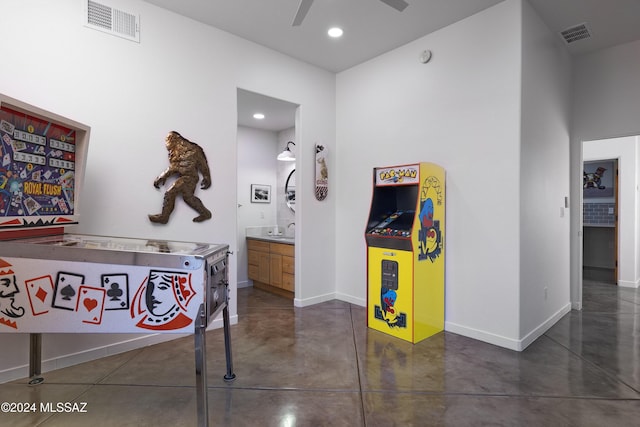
[[398, 5], [304, 7]]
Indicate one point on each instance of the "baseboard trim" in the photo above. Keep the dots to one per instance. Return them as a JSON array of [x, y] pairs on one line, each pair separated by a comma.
[[300, 302], [351, 299], [628, 284], [544, 327], [66, 360], [506, 342], [480, 335]]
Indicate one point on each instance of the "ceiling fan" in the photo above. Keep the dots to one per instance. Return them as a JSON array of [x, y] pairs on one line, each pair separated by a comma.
[[305, 5]]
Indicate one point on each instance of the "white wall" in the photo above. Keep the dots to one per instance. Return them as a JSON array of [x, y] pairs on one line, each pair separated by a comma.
[[606, 104], [544, 179], [624, 149], [462, 111], [257, 164], [182, 76]]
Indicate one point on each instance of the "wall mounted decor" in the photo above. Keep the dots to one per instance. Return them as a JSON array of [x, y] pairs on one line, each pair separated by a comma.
[[186, 160], [260, 193], [322, 174], [597, 178]]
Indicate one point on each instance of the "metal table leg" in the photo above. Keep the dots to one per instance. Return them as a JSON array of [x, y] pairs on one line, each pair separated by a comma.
[[230, 375], [201, 368], [35, 359]]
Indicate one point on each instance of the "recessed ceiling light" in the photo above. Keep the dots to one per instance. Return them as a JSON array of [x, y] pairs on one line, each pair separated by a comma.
[[335, 32], [258, 116]]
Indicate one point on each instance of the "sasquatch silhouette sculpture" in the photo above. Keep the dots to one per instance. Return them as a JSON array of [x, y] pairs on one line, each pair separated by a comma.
[[187, 161]]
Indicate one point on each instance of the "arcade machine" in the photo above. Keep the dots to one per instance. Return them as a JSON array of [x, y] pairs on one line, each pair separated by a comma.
[[405, 251], [57, 282]]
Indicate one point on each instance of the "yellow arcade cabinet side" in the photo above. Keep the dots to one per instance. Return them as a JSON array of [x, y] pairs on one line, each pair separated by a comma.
[[405, 251]]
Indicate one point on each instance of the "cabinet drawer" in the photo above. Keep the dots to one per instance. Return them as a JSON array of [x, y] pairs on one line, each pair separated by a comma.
[[288, 282], [282, 249], [257, 245], [288, 264]]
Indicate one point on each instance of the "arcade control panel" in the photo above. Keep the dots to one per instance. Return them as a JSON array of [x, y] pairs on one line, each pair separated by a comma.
[[395, 225]]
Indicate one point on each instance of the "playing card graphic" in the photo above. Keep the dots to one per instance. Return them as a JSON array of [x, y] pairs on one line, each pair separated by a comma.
[[66, 291], [6, 126], [117, 288], [40, 292], [161, 301], [31, 205], [90, 304]]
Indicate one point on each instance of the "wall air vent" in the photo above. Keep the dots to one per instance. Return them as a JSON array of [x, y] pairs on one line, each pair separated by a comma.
[[113, 21], [575, 33]]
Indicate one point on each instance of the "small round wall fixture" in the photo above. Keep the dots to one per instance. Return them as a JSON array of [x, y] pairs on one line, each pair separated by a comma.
[[425, 56]]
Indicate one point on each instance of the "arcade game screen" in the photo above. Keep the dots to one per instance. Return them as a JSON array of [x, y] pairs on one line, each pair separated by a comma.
[[393, 210]]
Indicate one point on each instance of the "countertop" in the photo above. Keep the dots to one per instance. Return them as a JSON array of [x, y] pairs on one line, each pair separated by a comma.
[[275, 239]]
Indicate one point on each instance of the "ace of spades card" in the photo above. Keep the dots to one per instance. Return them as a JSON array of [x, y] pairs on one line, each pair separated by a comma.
[[66, 292], [90, 304]]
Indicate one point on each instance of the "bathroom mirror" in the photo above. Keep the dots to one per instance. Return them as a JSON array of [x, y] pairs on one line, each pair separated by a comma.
[[290, 190]]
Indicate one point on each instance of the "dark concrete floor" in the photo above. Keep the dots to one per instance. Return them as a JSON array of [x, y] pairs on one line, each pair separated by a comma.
[[320, 366]]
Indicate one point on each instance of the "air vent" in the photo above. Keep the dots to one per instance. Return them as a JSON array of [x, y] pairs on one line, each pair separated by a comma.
[[113, 21], [573, 34]]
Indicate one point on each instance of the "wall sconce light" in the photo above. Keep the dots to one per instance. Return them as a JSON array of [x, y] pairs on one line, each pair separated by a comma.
[[287, 155]]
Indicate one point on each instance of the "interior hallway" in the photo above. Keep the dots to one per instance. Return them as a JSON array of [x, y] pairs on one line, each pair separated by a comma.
[[320, 365]]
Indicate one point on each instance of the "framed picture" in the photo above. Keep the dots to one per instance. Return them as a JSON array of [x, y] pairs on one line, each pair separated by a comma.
[[260, 193], [598, 178]]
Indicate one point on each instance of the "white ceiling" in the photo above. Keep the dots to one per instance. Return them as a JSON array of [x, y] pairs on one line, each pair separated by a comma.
[[279, 114], [372, 27]]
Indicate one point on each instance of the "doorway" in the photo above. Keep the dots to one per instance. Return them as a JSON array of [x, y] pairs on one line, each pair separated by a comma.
[[258, 141], [622, 155], [600, 221]]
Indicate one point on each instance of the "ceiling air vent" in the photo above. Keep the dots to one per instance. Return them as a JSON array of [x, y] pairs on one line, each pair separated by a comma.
[[575, 33], [113, 21]]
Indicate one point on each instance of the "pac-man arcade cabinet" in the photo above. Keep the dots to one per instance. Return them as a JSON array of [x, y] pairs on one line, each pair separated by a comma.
[[405, 251]]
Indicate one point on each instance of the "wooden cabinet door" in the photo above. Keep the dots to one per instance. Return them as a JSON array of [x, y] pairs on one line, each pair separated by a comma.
[[264, 268], [276, 270]]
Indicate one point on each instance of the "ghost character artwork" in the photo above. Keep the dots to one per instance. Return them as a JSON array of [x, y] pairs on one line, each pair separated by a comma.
[[8, 289], [187, 161]]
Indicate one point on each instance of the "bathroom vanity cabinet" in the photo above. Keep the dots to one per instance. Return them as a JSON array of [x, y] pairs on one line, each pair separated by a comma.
[[271, 265]]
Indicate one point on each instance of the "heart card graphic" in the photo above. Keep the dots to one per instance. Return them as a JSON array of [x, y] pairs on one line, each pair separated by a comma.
[[90, 304]]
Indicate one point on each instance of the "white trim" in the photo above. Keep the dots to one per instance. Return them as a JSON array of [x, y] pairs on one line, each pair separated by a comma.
[[362, 302], [67, 360], [629, 284], [480, 335], [298, 302], [245, 284], [506, 342], [543, 327]]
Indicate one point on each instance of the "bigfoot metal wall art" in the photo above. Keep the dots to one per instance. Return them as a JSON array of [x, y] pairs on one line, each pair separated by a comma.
[[186, 160]]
